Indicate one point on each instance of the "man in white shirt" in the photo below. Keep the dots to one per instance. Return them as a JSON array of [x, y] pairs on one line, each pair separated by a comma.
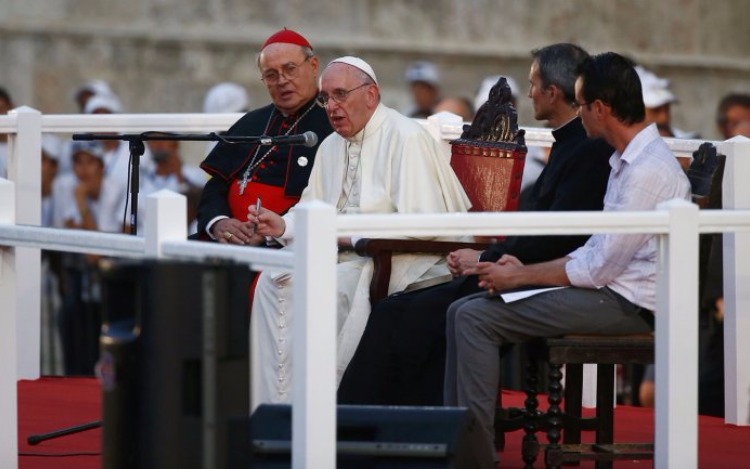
[[376, 161], [611, 279]]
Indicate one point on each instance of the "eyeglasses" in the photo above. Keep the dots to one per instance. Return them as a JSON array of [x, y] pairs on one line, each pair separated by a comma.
[[289, 70], [338, 96]]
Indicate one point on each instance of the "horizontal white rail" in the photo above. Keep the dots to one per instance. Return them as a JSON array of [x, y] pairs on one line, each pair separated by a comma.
[[718, 221], [392, 225], [121, 245], [256, 258], [136, 123], [530, 223], [125, 123], [79, 241]]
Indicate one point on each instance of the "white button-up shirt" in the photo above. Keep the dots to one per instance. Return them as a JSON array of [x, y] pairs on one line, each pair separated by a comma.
[[644, 175]]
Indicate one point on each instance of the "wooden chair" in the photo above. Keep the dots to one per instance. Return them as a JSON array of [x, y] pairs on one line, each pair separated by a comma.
[[705, 174], [488, 160]]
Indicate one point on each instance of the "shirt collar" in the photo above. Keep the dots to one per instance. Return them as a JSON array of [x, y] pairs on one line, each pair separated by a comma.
[[635, 147]]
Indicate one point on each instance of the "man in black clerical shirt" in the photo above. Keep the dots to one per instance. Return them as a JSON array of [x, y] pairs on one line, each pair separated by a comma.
[[401, 357], [244, 174]]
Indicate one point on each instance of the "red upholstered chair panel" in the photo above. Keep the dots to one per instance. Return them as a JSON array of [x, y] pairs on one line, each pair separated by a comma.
[[491, 176]]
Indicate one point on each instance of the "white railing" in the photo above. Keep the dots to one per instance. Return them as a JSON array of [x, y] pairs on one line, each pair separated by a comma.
[[677, 225]]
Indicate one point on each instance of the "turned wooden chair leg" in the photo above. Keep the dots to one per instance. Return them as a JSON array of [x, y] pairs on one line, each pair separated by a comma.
[[530, 445], [553, 455]]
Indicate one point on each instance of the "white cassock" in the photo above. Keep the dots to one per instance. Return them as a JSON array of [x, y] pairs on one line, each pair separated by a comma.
[[392, 166]]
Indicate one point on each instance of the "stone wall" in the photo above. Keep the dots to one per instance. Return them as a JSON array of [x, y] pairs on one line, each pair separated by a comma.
[[162, 55]]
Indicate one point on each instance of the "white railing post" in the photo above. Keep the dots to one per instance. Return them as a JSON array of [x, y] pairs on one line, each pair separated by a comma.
[[314, 353], [588, 393], [736, 195], [166, 220], [25, 169], [676, 405], [8, 304]]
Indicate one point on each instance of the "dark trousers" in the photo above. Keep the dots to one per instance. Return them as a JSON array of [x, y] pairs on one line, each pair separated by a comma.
[[80, 321], [400, 359]]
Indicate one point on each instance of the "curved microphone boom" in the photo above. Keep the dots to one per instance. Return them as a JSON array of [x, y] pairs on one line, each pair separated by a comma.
[[308, 139]]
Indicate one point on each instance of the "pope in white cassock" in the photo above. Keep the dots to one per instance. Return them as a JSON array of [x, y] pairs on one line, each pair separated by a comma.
[[376, 161]]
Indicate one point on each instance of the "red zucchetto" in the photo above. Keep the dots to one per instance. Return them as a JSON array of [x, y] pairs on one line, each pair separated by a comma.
[[287, 36]]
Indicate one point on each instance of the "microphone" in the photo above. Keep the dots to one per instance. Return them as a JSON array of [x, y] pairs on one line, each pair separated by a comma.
[[85, 137], [308, 139]]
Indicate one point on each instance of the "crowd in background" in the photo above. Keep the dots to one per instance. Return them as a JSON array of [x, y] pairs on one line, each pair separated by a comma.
[[85, 186]]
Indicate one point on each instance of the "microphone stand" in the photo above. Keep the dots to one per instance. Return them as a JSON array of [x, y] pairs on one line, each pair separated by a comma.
[[137, 148]]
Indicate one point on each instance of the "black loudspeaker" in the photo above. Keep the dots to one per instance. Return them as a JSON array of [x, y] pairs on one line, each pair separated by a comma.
[[369, 437], [174, 362]]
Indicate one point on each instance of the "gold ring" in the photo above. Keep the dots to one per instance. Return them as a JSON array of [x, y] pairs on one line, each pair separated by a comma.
[[228, 235]]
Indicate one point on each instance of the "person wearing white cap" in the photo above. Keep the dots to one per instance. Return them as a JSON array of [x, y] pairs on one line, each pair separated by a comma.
[[117, 156], [224, 97], [83, 93], [658, 99], [377, 161], [117, 152], [424, 82], [93, 200]]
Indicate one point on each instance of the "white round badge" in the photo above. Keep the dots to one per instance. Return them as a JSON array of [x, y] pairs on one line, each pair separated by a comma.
[[302, 161]]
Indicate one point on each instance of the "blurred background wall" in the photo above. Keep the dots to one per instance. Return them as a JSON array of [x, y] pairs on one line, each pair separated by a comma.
[[163, 55]]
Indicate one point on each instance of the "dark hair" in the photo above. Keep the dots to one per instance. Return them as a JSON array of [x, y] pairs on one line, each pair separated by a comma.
[[558, 64], [728, 101], [612, 79], [5, 96]]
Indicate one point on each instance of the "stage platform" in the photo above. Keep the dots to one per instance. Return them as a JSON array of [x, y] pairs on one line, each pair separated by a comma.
[[49, 404]]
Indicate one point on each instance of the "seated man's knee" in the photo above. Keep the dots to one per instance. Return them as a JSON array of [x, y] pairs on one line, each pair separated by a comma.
[[471, 316]]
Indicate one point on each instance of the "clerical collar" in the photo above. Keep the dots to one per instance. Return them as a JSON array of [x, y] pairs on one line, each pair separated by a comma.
[[567, 122], [571, 128]]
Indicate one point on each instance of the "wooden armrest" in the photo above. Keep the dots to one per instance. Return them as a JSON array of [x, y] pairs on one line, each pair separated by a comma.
[[381, 250]]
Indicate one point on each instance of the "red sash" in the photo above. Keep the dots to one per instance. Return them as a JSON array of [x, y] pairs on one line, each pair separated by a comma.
[[272, 198]]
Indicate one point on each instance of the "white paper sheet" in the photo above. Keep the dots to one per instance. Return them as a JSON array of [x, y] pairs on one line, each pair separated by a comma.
[[510, 297]]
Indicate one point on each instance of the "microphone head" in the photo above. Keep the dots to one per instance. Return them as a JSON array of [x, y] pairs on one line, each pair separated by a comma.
[[311, 138]]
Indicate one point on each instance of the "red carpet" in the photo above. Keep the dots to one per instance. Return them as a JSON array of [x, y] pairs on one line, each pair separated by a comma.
[[52, 403]]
